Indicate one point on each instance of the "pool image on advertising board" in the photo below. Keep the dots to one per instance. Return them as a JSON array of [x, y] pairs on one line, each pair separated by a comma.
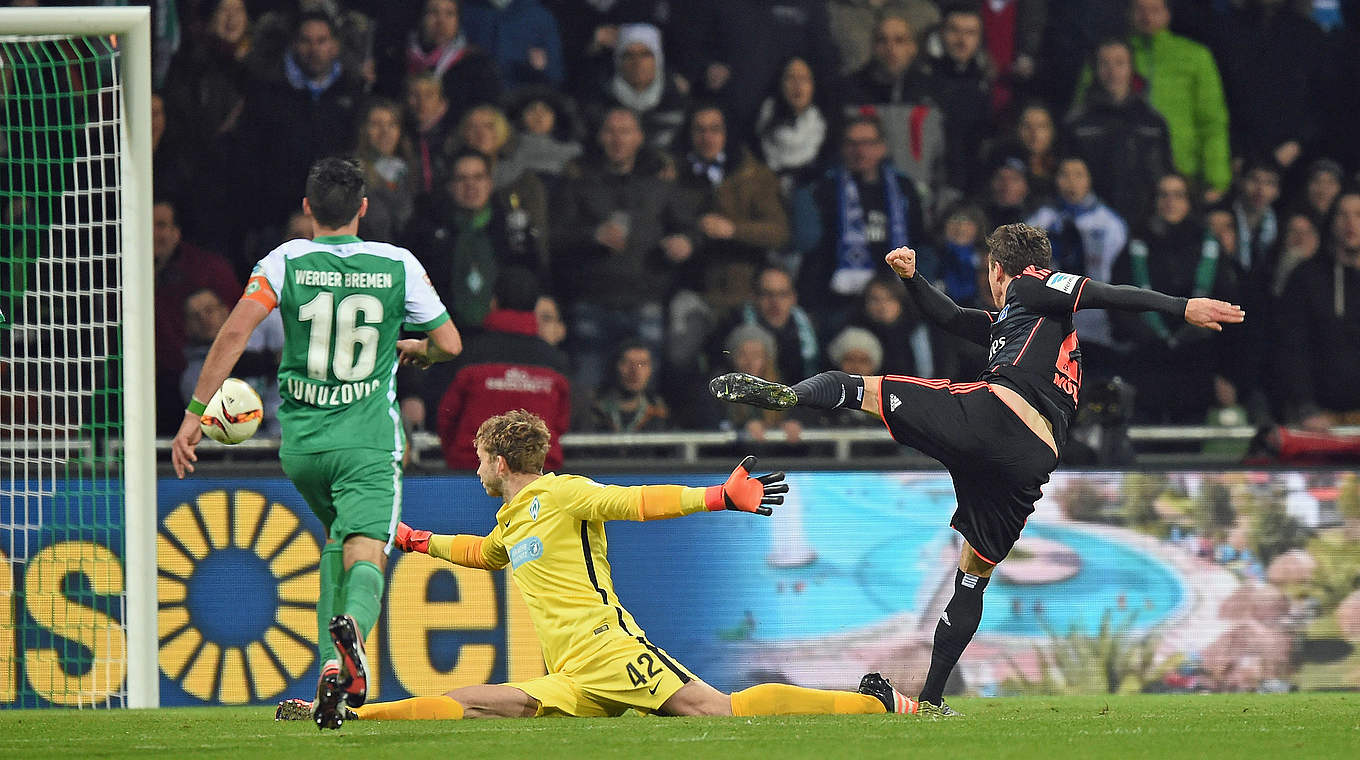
[[883, 546]]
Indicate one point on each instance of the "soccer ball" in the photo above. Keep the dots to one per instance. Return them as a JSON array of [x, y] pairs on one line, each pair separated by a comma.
[[233, 413]]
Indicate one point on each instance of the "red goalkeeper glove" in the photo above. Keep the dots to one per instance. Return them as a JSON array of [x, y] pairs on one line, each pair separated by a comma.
[[412, 540], [744, 493]]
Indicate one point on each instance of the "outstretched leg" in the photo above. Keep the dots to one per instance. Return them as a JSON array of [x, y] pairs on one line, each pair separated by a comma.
[[826, 390], [698, 698], [481, 701]]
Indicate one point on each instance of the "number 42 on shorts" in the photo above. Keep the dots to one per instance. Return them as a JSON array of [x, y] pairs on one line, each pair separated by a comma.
[[648, 666]]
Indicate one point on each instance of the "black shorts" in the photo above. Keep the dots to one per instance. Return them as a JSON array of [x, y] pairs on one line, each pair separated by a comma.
[[998, 464]]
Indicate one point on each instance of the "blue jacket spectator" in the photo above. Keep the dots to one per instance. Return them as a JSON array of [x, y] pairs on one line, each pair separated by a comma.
[[521, 36]]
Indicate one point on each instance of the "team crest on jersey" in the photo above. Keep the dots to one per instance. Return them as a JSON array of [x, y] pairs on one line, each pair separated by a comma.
[[533, 509], [1064, 282]]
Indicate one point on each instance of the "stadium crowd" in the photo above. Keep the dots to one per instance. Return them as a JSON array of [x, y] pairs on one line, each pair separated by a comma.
[[627, 197]]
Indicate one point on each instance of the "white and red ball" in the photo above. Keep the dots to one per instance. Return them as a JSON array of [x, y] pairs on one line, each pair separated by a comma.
[[233, 414]]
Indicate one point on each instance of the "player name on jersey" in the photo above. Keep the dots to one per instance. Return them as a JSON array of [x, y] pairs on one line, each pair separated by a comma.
[[316, 394], [322, 278]]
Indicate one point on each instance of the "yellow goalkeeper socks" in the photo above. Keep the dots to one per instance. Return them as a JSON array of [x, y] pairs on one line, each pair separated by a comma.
[[415, 708], [782, 699], [332, 572]]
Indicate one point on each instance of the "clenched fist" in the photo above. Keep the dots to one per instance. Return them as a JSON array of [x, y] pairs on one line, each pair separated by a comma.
[[903, 262]]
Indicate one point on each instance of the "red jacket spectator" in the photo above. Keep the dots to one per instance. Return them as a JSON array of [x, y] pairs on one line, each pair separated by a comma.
[[181, 269], [506, 367]]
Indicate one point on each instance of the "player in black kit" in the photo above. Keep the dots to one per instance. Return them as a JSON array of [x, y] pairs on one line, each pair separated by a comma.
[[1000, 437]]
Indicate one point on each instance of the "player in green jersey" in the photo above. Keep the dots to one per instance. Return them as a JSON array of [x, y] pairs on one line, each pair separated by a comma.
[[343, 301]]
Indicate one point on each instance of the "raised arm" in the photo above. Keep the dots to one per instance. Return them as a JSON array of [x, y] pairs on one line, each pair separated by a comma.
[[1057, 292], [974, 325], [1200, 312]]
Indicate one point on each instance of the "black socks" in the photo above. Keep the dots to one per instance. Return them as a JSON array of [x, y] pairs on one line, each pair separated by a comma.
[[831, 390], [952, 634]]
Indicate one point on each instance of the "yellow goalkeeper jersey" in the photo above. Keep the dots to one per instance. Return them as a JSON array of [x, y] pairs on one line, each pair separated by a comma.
[[552, 535]]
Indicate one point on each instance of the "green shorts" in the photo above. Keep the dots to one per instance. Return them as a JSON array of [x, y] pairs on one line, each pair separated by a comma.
[[352, 491]]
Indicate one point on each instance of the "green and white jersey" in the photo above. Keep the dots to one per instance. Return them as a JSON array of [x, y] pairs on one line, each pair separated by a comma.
[[343, 301]]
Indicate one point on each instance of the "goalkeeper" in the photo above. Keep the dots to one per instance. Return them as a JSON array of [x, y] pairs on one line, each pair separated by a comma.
[[550, 530]]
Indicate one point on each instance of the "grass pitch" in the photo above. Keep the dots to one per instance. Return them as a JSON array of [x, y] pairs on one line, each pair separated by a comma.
[[1193, 726]]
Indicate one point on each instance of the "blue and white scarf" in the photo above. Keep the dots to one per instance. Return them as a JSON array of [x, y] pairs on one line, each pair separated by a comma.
[[300, 81], [855, 266], [1253, 244], [802, 323], [714, 171]]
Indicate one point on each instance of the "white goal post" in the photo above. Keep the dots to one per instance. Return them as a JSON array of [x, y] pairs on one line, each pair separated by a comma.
[[132, 29]]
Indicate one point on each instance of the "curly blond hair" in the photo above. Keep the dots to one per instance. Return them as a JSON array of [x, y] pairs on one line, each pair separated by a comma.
[[520, 436]]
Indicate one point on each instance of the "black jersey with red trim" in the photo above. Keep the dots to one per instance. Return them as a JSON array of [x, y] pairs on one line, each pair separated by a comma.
[[1033, 345]]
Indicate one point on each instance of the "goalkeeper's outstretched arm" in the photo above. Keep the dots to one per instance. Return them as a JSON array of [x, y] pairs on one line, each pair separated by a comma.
[[741, 492], [482, 552]]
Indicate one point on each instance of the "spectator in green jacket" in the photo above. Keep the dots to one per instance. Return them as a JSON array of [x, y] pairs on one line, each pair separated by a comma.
[[1183, 84]]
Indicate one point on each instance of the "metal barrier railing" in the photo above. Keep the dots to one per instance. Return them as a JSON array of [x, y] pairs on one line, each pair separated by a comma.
[[688, 446]]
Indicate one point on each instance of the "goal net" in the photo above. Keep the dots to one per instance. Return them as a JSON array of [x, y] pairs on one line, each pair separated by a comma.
[[74, 479]]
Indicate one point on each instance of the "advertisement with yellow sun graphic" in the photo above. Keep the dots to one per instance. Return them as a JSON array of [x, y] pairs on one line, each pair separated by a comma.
[[237, 586]]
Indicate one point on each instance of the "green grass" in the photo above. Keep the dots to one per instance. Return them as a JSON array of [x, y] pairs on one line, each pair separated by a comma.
[[1193, 726]]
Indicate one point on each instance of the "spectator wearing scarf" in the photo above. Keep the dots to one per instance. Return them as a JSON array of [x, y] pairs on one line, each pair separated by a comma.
[[304, 111], [790, 127], [1086, 236], [846, 222], [640, 83], [1174, 254], [775, 309], [468, 74]]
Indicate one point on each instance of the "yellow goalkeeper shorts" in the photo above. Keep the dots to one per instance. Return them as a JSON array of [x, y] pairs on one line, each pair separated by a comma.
[[631, 673]]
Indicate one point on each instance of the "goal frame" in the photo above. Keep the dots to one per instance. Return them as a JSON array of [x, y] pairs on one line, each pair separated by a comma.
[[133, 29]]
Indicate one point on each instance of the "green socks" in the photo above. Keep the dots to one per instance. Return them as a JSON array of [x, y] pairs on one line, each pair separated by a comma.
[[362, 593], [332, 570]]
